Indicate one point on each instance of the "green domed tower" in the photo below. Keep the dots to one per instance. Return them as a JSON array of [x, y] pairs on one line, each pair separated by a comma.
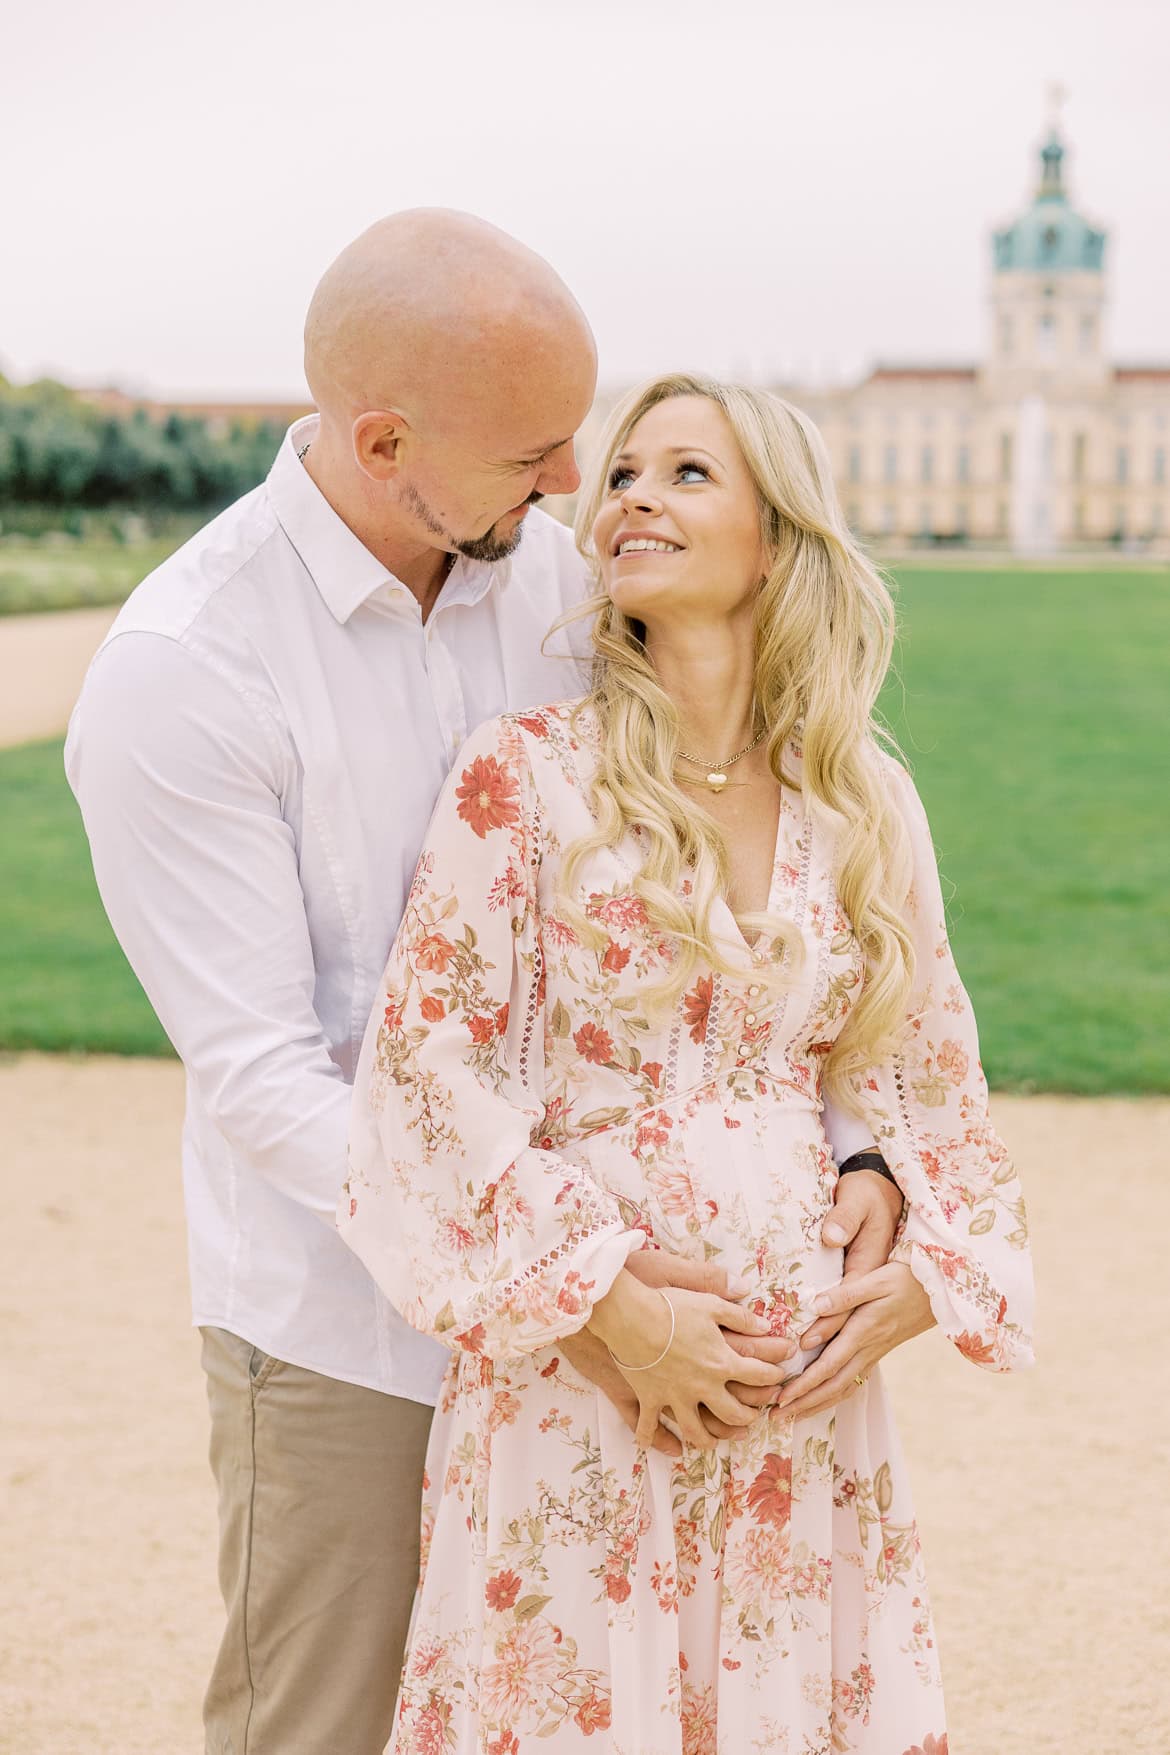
[[1048, 286]]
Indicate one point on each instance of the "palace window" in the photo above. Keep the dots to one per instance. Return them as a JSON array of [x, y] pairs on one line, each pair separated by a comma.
[[855, 462], [963, 463], [1078, 464], [1078, 517], [925, 519], [889, 518], [1046, 336], [1122, 463], [1005, 457], [928, 463], [1005, 334], [1159, 463], [961, 519], [1088, 333], [890, 463], [1001, 518]]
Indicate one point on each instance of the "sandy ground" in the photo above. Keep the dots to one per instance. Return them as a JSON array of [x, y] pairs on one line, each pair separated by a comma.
[[43, 659], [1041, 1498]]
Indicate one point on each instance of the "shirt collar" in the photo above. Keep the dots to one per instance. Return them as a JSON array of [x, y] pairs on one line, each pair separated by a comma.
[[340, 565]]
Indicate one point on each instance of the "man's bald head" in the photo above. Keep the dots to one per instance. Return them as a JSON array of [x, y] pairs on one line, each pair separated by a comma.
[[452, 367], [430, 310]]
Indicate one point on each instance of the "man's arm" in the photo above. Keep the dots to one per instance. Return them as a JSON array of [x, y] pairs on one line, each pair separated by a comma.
[[179, 781]]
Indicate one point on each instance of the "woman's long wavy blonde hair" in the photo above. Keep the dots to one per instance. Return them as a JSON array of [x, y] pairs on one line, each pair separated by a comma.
[[824, 629]]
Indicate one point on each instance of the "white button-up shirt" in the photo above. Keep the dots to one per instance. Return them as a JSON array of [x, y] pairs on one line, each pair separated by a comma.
[[256, 751]]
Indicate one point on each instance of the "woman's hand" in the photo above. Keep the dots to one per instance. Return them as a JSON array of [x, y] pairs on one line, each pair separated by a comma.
[[635, 1324], [658, 1267], [882, 1309]]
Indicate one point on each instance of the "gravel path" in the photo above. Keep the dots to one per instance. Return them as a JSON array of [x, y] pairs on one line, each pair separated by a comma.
[[1049, 1573], [43, 659]]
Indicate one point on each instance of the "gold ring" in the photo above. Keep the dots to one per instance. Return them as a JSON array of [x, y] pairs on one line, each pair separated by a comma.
[[860, 1382]]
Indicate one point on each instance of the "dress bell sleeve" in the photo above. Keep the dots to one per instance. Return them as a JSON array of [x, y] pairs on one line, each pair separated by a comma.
[[478, 1237], [964, 1234]]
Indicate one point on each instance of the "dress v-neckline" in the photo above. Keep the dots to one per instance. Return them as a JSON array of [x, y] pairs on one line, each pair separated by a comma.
[[722, 905]]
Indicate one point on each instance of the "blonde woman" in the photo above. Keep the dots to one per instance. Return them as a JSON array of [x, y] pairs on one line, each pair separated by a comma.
[[650, 933]]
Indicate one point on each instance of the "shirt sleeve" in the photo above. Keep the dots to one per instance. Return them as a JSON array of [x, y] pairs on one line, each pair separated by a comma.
[[179, 783], [965, 1233], [478, 1237]]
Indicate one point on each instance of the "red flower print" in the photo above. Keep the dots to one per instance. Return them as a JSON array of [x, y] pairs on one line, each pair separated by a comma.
[[593, 1714], [698, 1006], [593, 1044], [652, 1069], [427, 1735], [483, 1030], [551, 1369], [618, 913], [574, 1294], [457, 1236], [472, 1338], [434, 953], [502, 1019], [617, 1586], [392, 1016], [352, 1208], [615, 958], [507, 1743], [432, 1009], [770, 1494], [975, 1348], [930, 1746], [533, 723], [488, 796], [502, 1589], [952, 1059]]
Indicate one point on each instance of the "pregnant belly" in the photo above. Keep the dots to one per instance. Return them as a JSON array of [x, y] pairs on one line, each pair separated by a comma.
[[746, 1186]]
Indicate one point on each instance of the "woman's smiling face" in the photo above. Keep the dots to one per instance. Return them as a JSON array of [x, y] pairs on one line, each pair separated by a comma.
[[678, 535]]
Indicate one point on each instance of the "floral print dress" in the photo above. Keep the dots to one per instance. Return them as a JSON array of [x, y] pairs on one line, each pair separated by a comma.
[[523, 1121]]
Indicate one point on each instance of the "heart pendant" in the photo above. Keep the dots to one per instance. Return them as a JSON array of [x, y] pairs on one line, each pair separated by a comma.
[[717, 782]]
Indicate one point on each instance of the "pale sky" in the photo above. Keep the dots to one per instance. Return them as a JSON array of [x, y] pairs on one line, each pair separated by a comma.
[[739, 186]]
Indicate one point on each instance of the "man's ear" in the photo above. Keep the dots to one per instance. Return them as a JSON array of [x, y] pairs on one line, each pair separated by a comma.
[[378, 437]]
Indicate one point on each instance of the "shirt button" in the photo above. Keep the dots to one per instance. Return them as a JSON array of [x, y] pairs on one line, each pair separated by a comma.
[[750, 1018], [753, 990]]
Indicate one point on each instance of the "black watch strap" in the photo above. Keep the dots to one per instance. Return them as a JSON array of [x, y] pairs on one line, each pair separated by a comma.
[[867, 1161]]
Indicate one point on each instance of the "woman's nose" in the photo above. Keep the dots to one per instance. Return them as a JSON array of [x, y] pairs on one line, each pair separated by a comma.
[[638, 498]]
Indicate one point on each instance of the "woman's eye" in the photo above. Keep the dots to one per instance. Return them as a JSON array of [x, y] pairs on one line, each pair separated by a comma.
[[698, 469], [618, 478]]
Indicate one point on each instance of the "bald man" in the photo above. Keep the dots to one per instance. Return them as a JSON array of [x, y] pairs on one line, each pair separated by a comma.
[[256, 752]]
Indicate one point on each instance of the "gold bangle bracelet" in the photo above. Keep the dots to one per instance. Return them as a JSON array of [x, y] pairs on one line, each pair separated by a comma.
[[666, 1349]]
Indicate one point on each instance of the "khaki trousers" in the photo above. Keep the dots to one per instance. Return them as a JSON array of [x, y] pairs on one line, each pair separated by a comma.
[[320, 1487]]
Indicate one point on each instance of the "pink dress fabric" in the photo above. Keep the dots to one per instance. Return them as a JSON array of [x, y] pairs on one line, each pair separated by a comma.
[[522, 1121]]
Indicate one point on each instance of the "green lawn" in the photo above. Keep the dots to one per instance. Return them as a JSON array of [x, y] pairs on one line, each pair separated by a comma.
[[75, 575], [64, 983], [1033, 709]]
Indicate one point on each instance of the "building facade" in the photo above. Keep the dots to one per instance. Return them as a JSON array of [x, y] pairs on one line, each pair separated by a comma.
[[1043, 445]]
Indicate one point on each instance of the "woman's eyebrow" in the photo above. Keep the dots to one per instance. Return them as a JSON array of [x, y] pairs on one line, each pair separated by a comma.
[[671, 451]]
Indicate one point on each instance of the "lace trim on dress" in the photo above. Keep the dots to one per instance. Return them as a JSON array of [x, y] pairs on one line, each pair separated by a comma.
[[596, 1216]]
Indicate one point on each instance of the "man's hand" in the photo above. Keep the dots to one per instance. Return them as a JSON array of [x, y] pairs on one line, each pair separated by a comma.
[[657, 1267], [865, 1215], [879, 1311]]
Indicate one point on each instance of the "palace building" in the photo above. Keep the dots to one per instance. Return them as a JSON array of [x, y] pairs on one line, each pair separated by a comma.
[[1043, 445]]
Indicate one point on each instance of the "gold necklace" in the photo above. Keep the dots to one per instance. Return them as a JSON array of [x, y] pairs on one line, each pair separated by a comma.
[[716, 777]]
